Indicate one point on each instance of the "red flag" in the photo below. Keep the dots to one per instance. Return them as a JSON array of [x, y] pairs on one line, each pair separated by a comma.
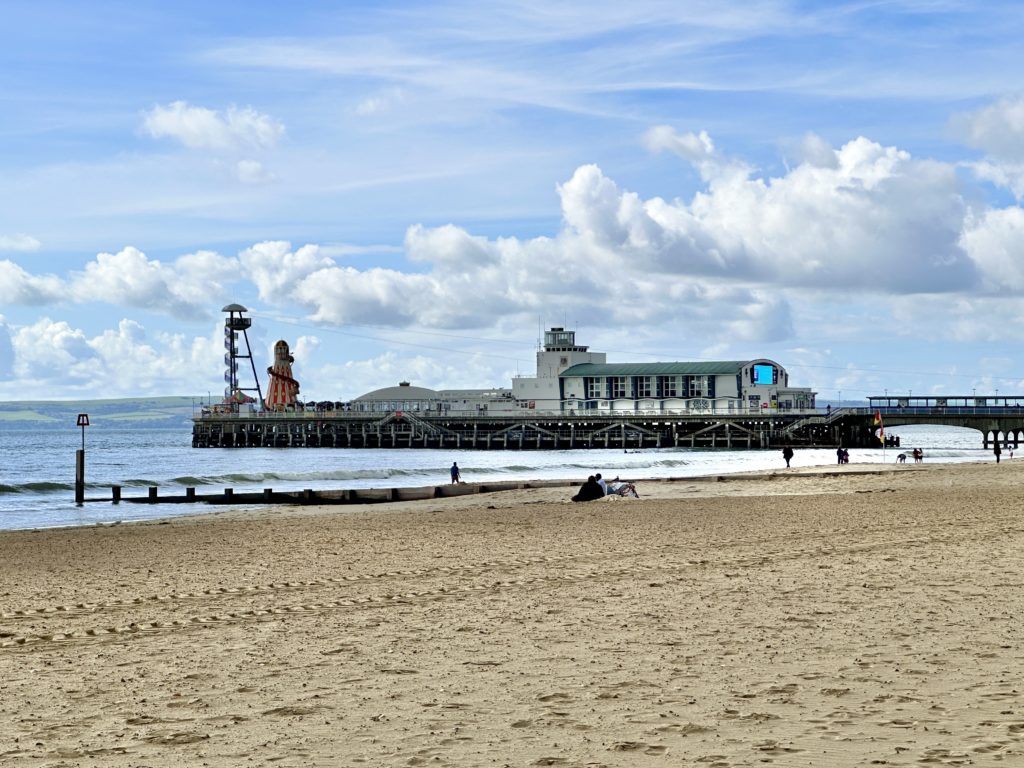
[[881, 427]]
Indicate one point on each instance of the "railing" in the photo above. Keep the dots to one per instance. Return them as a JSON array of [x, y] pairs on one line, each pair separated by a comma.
[[828, 415]]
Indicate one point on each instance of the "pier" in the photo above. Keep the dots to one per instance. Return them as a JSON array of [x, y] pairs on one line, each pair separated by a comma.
[[997, 418], [534, 432]]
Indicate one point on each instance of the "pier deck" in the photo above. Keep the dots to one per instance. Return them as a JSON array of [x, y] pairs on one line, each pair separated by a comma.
[[554, 431]]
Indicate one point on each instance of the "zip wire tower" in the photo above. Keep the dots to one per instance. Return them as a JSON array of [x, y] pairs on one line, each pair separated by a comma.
[[236, 323]]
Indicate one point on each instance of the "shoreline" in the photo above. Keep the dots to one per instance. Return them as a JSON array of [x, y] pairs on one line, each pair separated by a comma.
[[385, 496]]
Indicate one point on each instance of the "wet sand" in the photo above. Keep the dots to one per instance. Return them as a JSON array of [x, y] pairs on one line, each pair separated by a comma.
[[811, 617]]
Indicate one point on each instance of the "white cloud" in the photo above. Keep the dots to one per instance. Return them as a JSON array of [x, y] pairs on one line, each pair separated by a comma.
[[130, 278], [277, 270], [252, 172], [19, 242], [997, 129], [381, 102], [49, 349], [202, 128], [117, 362], [6, 352], [695, 148], [19, 287], [995, 242], [863, 218]]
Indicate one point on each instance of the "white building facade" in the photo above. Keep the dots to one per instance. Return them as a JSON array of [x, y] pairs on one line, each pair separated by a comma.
[[573, 380]]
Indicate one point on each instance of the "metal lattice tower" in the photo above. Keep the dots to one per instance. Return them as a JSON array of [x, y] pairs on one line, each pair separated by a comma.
[[234, 323]]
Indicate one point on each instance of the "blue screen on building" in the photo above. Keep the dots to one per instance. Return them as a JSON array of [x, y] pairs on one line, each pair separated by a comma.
[[764, 374]]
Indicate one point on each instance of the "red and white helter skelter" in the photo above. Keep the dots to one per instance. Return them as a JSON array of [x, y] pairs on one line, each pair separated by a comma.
[[283, 389]]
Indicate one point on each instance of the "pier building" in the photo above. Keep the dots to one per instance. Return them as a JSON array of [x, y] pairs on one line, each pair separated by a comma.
[[570, 379]]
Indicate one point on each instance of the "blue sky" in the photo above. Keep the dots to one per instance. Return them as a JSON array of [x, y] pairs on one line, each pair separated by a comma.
[[412, 190]]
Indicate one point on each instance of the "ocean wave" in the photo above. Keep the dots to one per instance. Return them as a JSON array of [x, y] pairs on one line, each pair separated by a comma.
[[38, 487], [253, 478]]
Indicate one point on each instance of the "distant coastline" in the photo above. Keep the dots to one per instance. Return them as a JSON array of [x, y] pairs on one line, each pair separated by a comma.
[[172, 412]]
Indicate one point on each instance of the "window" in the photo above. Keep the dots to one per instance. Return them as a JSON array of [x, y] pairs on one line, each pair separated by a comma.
[[618, 386], [669, 386], [698, 386], [644, 386], [593, 387]]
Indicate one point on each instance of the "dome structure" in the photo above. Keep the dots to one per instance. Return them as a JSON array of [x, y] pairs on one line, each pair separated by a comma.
[[404, 391], [404, 397]]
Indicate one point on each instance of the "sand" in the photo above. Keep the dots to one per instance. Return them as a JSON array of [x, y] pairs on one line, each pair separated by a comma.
[[813, 617]]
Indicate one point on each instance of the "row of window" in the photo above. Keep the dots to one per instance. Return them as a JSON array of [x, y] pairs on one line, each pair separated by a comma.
[[636, 387]]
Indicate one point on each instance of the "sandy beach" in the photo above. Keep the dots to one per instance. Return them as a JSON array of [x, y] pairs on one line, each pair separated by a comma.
[[825, 616]]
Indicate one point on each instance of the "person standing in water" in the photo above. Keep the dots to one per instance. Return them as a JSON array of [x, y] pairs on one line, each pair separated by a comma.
[[456, 475]]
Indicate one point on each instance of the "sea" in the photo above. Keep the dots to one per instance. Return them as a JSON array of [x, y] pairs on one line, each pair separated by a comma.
[[37, 468]]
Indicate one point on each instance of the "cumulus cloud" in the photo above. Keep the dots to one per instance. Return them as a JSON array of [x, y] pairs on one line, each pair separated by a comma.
[[202, 128], [731, 262], [184, 289], [862, 217], [997, 130], [696, 148], [19, 242], [994, 240], [6, 352], [277, 270], [20, 287], [49, 349], [129, 278], [54, 356]]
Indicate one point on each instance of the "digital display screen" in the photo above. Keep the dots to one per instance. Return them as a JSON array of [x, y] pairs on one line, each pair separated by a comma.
[[764, 374]]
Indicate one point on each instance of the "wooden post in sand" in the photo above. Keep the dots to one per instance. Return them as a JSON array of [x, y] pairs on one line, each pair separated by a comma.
[[83, 422]]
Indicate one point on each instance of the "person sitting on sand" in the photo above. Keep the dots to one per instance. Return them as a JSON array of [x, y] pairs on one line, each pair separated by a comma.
[[589, 491], [618, 488], [602, 483]]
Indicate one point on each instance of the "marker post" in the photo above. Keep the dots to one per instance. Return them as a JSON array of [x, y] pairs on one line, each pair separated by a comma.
[[83, 422]]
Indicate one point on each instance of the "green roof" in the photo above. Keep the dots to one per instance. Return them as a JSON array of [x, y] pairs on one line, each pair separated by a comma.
[[707, 368]]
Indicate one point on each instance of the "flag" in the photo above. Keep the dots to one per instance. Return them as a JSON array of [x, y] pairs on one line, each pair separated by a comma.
[[881, 428]]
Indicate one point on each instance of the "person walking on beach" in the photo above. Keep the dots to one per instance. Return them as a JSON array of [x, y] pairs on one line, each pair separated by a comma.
[[997, 451], [839, 454], [787, 454], [456, 475]]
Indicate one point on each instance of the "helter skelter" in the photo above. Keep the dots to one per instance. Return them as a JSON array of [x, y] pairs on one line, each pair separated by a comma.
[[284, 389]]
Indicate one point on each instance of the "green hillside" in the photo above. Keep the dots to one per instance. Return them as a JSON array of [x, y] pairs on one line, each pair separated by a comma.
[[147, 412]]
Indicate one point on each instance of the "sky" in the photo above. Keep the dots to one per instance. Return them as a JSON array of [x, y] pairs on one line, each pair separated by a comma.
[[413, 191]]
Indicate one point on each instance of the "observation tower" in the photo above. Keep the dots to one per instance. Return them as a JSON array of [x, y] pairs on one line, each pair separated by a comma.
[[236, 322]]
